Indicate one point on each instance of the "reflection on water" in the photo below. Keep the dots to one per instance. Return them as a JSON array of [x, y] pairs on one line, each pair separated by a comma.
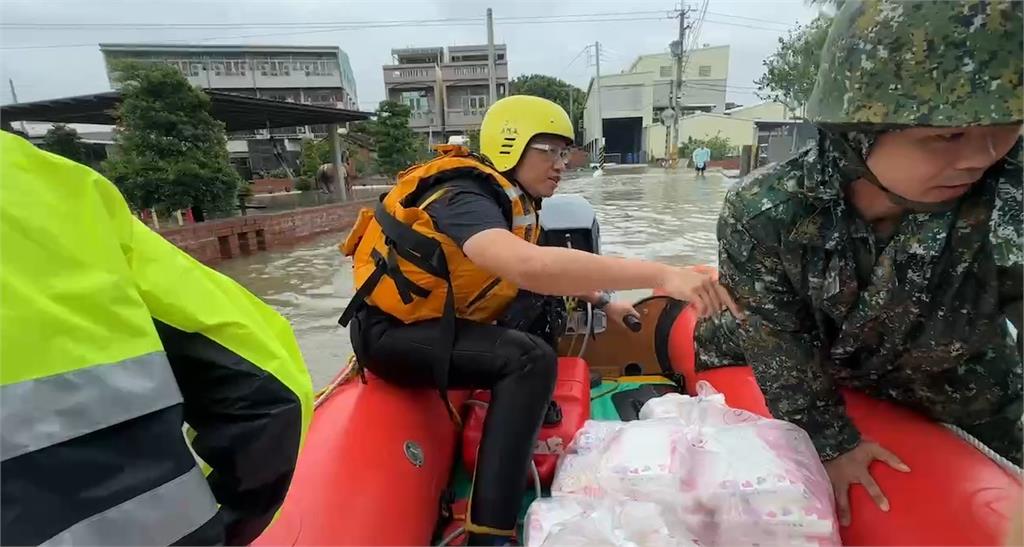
[[666, 217]]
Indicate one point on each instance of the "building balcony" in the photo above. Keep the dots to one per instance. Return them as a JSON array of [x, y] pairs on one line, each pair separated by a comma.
[[423, 118], [418, 73], [460, 119], [472, 71]]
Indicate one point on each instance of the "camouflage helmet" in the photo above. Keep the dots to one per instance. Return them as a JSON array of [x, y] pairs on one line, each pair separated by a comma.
[[922, 63]]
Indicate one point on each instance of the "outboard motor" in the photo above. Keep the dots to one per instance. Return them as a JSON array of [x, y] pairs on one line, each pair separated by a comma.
[[569, 221]]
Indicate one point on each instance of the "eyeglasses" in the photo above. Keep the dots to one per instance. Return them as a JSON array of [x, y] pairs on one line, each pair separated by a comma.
[[554, 152]]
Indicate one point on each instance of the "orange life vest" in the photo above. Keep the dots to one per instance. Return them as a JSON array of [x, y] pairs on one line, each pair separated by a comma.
[[403, 266]]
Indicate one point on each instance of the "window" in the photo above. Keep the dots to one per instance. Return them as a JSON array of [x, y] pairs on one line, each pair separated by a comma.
[[235, 68], [474, 105], [275, 68], [321, 98], [704, 71], [188, 68], [417, 101], [665, 71], [313, 67]]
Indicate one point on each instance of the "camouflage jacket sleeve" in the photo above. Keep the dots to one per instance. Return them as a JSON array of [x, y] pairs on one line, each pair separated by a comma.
[[779, 337]]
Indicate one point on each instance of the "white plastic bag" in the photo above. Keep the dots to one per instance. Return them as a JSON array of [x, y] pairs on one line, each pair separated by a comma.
[[644, 461], [577, 470], [691, 471], [602, 522]]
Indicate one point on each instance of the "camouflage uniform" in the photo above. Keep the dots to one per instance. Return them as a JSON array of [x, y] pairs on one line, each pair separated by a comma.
[[919, 317]]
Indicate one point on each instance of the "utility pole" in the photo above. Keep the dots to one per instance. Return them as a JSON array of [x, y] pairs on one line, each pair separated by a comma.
[[573, 122], [677, 85], [491, 82], [599, 145], [14, 96]]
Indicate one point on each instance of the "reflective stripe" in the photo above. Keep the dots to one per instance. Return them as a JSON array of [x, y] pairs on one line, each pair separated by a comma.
[[524, 220], [513, 192], [158, 517], [38, 413]]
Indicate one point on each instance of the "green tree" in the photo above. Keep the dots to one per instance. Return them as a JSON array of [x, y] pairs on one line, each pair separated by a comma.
[[721, 147], [172, 152], [790, 72], [474, 140], [65, 141], [314, 153], [398, 146], [552, 89]]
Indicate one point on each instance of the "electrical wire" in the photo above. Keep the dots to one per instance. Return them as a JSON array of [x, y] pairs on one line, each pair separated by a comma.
[[333, 24], [350, 28], [728, 24], [754, 19]]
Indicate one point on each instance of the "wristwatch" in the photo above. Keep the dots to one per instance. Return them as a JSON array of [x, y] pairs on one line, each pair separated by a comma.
[[603, 299]]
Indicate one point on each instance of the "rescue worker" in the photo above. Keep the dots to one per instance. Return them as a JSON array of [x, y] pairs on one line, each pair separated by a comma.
[[887, 258], [441, 259], [111, 339]]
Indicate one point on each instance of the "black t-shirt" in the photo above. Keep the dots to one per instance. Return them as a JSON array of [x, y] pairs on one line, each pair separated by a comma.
[[468, 207]]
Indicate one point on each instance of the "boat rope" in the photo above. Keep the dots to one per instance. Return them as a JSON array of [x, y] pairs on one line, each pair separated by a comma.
[[590, 327], [350, 371], [456, 534], [1006, 464]]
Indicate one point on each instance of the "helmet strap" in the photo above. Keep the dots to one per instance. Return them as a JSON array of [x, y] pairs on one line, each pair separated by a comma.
[[858, 168]]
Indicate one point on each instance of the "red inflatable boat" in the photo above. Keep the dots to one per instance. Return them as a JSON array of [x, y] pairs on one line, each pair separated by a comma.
[[378, 459]]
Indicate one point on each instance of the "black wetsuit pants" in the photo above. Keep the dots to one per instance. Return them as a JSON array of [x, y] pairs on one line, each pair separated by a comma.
[[520, 370]]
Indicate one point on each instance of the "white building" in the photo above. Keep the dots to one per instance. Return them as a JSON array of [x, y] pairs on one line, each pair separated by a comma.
[[302, 74], [632, 101], [736, 124], [447, 92]]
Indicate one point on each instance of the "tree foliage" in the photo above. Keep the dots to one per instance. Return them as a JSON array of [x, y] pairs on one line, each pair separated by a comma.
[[315, 152], [552, 89], [790, 72], [474, 140], [398, 146], [65, 141], [721, 147], [172, 152]]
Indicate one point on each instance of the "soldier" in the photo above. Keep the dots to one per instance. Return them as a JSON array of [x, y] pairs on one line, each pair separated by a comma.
[[887, 257]]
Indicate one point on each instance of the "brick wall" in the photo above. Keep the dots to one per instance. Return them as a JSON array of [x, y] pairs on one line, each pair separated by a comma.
[[577, 159], [216, 240], [271, 186], [727, 163]]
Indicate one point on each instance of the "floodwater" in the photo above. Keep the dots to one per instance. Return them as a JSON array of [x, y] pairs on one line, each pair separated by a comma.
[[659, 215]]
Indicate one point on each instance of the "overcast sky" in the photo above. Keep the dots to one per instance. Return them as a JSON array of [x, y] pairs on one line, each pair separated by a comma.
[[41, 69]]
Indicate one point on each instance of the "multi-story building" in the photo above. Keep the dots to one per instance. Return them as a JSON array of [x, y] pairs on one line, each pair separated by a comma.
[[302, 74], [447, 91], [632, 102]]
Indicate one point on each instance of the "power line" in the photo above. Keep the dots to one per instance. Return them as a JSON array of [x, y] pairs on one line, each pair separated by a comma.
[[321, 24], [339, 29], [755, 19], [574, 59], [725, 23]]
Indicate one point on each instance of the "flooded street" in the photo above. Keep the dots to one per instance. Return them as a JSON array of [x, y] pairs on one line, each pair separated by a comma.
[[669, 217]]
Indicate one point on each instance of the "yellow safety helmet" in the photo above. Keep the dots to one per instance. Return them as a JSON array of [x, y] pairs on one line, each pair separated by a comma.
[[511, 122]]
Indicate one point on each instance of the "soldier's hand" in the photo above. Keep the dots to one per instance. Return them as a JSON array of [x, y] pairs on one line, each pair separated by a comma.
[[852, 468], [699, 286]]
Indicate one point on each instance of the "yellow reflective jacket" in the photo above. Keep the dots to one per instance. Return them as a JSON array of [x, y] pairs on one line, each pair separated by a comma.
[[110, 339]]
